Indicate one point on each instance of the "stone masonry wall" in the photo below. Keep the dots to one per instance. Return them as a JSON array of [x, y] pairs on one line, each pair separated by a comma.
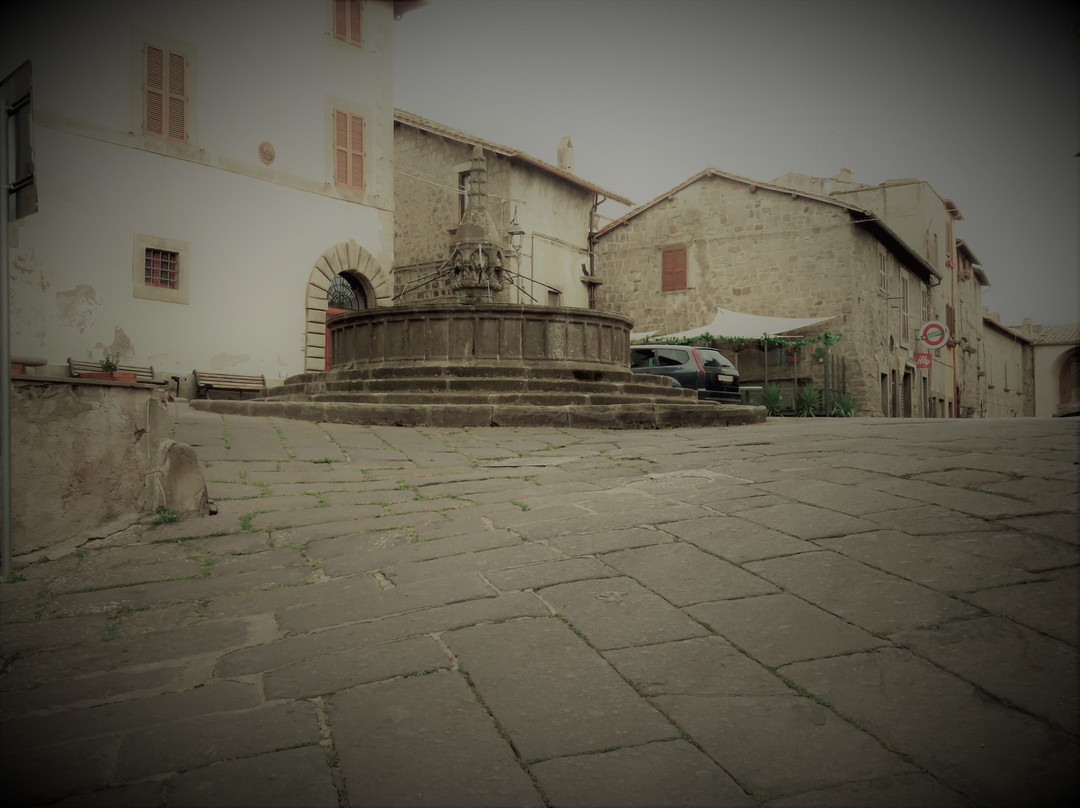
[[91, 459], [765, 252], [553, 212]]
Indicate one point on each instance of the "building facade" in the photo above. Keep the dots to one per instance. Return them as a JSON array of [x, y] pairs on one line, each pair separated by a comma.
[[719, 239], [1056, 371], [551, 210], [204, 176], [1006, 373], [926, 222]]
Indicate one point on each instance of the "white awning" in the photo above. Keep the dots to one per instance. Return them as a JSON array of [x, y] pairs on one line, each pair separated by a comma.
[[750, 326]]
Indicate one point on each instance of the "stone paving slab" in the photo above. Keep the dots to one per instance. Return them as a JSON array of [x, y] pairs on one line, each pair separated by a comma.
[[366, 599], [605, 540], [782, 745], [1017, 665], [682, 574], [737, 539], [656, 775], [807, 521], [425, 741], [193, 742], [1030, 552], [330, 673], [553, 695], [282, 779], [545, 574], [899, 790], [294, 649], [619, 612], [850, 499], [554, 623], [1048, 605], [866, 597], [947, 726], [703, 666], [346, 556], [927, 560], [778, 629]]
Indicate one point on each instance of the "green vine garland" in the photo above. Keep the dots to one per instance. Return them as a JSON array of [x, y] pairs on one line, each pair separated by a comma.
[[826, 338]]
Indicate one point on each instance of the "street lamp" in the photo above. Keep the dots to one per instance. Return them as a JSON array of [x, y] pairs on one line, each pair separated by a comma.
[[515, 235]]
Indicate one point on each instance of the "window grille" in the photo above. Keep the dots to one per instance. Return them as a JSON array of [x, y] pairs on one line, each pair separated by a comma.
[[162, 269]]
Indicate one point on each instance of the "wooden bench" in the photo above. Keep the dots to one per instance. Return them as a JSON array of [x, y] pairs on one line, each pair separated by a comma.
[[205, 381], [143, 374]]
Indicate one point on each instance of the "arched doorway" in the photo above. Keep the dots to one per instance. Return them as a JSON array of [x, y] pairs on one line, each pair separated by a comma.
[[346, 293], [1069, 382], [363, 283]]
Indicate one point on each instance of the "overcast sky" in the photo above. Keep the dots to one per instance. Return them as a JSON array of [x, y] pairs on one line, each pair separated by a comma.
[[980, 99]]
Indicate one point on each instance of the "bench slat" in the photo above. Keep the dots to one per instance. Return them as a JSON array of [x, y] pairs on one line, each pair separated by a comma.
[[143, 373], [211, 380]]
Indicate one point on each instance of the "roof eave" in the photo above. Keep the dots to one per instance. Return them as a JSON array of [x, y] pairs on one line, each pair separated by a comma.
[[908, 257], [440, 130]]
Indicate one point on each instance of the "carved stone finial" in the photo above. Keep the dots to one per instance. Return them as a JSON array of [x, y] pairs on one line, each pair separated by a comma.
[[477, 262]]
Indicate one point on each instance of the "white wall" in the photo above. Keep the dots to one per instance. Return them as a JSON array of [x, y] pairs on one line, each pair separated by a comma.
[[260, 72]]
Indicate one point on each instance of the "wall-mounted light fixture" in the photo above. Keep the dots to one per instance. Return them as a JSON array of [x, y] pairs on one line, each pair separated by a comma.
[[515, 235]]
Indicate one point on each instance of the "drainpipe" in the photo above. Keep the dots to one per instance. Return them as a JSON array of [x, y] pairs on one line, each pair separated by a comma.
[[5, 353], [597, 201]]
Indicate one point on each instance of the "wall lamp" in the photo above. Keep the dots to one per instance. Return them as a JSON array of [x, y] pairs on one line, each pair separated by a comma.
[[515, 235]]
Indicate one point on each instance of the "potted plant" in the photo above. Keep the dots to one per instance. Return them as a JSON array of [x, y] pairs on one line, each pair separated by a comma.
[[110, 370]]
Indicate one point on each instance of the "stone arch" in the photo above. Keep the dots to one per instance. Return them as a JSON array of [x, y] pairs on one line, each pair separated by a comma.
[[350, 258], [1067, 377]]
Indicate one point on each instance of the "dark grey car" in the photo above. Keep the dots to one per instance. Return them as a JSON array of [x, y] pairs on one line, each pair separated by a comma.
[[703, 369]]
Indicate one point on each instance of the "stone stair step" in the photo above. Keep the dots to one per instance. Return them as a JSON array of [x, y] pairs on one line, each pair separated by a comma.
[[585, 416]]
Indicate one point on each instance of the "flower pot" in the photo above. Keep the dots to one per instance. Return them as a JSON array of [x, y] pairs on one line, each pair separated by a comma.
[[110, 375]]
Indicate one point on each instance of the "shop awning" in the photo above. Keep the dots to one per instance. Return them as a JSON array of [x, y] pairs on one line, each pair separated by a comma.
[[729, 323]]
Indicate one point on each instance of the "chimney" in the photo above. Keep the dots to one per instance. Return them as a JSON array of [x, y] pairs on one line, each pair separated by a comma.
[[566, 155]]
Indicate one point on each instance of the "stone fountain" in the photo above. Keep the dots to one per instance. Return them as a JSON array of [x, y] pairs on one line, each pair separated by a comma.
[[475, 360]]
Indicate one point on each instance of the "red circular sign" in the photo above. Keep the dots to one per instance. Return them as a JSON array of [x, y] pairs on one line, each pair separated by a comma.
[[934, 334]]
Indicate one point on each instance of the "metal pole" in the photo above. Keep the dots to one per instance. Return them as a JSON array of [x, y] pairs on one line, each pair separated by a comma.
[[5, 351]]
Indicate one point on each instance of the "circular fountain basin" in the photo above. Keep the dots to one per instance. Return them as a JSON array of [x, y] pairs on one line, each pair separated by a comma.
[[480, 334]]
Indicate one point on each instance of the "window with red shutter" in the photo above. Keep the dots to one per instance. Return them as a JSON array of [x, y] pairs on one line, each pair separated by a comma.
[[348, 150], [673, 269], [164, 93], [348, 15]]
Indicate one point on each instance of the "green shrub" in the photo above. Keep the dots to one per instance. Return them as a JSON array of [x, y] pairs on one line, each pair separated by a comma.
[[166, 515], [772, 398], [807, 400], [110, 363], [844, 405]]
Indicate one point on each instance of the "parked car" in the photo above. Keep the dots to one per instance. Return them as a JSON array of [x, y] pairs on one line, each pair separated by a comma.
[[703, 369]]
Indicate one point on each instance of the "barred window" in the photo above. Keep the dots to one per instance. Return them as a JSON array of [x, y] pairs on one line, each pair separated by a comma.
[[162, 269]]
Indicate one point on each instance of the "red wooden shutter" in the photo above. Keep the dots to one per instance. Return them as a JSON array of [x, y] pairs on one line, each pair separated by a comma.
[[177, 97], [356, 10], [348, 149], [673, 269], [154, 84], [356, 151], [347, 20], [341, 148], [164, 94]]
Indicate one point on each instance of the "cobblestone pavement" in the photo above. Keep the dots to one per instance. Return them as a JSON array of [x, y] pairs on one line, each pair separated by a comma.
[[800, 613]]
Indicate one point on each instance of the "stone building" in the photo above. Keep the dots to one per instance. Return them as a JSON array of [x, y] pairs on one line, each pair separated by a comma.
[[195, 206], [1006, 374], [1056, 358], [926, 222], [719, 239], [551, 210]]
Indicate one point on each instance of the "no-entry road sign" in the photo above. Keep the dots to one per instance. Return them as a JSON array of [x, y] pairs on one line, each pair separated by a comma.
[[934, 334]]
